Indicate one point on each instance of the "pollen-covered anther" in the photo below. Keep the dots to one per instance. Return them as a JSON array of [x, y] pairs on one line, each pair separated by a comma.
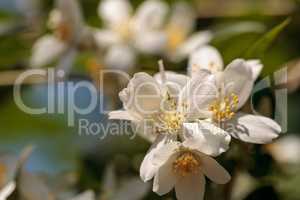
[[225, 109], [186, 164], [170, 122]]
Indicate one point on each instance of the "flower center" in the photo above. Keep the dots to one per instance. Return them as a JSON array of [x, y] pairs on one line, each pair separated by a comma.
[[224, 109], [186, 164], [170, 122], [63, 32], [176, 37], [124, 30]]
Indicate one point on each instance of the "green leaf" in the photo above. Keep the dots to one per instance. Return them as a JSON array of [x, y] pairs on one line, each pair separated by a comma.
[[262, 44]]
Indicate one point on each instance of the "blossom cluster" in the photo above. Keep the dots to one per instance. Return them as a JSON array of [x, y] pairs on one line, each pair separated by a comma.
[[153, 29], [191, 118]]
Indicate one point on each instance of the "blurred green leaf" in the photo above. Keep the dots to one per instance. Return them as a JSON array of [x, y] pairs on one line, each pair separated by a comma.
[[261, 45]]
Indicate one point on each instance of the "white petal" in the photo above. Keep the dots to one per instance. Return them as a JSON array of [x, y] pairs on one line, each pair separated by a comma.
[[72, 16], [198, 94], [165, 178], [46, 50], [253, 128], [120, 57], [183, 16], [114, 12], [174, 82], [157, 155], [122, 115], [151, 42], [238, 79], [194, 42], [190, 187], [256, 66], [143, 95], [286, 149], [148, 168], [150, 15], [105, 38], [145, 129], [206, 138], [7, 190], [213, 170], [206, 57]]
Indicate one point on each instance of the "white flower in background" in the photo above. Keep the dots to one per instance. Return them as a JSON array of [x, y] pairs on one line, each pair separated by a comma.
[[286, 150], [157, 107], [181, 38], [184, 166], [125, 32], [70, 35], [229, 90]]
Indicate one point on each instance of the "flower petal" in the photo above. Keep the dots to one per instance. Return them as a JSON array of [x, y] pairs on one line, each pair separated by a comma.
[[206, 138], [150, 15], [120, 57], [114, 12], [46, 49], [143, 95], [153, 42], [213, 170], [190, 187], [7, 190], [238, 79], [158, 154], [256, 67], [174, 82], [253, 128], [183, 16], [72, 16], [122, 115], [194, 42], [165, 178], [206, 57], [198, 94], [105, 38]]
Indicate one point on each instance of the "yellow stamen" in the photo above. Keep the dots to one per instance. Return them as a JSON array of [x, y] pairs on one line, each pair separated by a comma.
[[187, 163], [224, 109], [176, 37]]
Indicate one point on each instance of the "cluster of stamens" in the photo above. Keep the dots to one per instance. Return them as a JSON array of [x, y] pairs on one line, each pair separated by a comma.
[[175, 37], [170, 121], [124, 29], [224, 109], [187, 163]]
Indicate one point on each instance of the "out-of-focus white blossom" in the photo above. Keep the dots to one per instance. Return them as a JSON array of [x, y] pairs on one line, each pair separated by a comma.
[[126, 32], [286, 150], [69, 36], [181, 40], [229, 90]]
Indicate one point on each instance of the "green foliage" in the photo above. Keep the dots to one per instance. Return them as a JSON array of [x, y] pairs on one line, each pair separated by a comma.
[[260, 46]]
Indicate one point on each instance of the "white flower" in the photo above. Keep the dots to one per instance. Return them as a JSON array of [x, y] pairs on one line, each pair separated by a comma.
[[69, 35], [126, 32], [184, 166], [181, 41], [286, 150], [228, 91]]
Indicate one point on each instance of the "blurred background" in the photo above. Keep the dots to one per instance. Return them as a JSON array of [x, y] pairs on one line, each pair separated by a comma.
[[66, 159]]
